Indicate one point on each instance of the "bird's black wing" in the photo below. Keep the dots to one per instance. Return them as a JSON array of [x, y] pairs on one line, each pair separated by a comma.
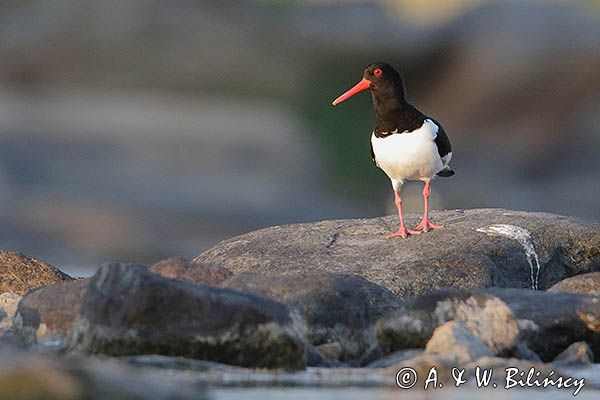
[[441, 141], [444, 148]]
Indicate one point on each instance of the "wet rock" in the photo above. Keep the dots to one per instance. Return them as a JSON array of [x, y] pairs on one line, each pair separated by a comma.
[[129, 310], [549, 322], [8, 308], [19, 273], [46, 314], [453, 340], [338, 310], [181, 269], [487, 317], [578, 353], [584, 284], [479, 248]]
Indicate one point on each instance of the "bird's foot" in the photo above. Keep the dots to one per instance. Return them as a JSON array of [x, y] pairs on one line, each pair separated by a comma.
[[426, 225], [402, 232]]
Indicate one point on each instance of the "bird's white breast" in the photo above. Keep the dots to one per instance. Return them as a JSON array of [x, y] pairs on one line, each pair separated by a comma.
[[409, 155]]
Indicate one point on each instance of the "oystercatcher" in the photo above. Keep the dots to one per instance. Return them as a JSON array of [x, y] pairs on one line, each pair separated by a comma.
[[406, 144]]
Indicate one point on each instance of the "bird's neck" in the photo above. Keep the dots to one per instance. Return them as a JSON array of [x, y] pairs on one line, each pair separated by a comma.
[[387, 100], [396, 116]]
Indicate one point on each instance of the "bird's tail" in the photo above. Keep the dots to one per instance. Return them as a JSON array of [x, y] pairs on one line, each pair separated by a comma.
[[446, 172]]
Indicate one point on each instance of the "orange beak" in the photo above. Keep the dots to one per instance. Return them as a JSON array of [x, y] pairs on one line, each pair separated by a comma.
[[359, 87]]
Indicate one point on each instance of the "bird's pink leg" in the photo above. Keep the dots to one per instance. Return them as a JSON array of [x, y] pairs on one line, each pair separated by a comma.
[[426, 224], [403, 232]]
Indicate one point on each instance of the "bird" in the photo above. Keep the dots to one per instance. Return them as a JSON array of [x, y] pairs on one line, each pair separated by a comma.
[[405, 143]]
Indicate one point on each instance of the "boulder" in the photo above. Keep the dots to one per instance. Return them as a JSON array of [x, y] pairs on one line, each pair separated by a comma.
[[45, 315], [550, 322], [19, 273], [578, 353], [180, 268], [128, 310], [338, 310], [479, 248], [487, 317], [454, 341], [584, 284]]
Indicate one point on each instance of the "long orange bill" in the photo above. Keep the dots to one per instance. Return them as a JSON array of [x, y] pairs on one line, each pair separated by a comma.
[[359, 87]]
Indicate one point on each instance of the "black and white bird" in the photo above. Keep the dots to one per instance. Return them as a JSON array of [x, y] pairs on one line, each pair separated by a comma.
[[406, 144]]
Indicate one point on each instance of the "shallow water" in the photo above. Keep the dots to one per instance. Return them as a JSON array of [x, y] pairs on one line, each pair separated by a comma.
[[390, 393]]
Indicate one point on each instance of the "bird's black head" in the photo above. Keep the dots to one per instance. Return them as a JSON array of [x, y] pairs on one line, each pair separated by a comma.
[[384, 82]]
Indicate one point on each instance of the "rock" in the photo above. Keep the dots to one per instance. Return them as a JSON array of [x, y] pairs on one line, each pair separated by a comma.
[[180, 268], [19, 273], [549, 322], [8, 308], [129, 310], [453, 340], [338, 310], [487, 317], [479, 248], [45, 315], [578, 353], [584, 284]]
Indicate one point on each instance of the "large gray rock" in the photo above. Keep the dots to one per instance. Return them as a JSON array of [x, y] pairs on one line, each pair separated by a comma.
[[478, 248], [47, 313], [128, 310], [512, 322], [550, 322], [338, 310], [19, 273], [584, 283], [183, 270], [487, 317]]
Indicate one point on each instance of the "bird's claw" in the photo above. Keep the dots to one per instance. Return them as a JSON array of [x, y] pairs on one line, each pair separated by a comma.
[[402, 232], [426, 225]]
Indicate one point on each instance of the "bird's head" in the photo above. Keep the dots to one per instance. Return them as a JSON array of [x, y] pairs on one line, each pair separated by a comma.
[[381, 79]]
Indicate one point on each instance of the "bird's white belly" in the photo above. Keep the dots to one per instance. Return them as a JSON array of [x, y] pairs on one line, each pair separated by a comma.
[[410, 155]]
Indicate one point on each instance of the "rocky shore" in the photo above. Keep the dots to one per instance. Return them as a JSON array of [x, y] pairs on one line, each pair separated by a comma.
[[326, 303]]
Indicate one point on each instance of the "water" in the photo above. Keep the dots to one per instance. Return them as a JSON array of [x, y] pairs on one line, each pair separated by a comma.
[[391, 393]]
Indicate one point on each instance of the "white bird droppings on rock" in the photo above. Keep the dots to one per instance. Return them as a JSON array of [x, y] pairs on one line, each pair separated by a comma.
[[524, 238]]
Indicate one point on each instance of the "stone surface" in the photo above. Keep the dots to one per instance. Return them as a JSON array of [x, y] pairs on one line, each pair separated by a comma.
[[479, 248], [19, 273], [584, 284], [46, 314], [453, 340], [8, 308], [129, 310], [487, 317], [180, 268], [578, 353], [339, 310]]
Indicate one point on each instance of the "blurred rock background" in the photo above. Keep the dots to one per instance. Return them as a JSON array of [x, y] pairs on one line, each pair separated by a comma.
[[141, 129]]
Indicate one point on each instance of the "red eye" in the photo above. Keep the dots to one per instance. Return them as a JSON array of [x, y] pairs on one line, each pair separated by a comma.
[[377, 72]]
